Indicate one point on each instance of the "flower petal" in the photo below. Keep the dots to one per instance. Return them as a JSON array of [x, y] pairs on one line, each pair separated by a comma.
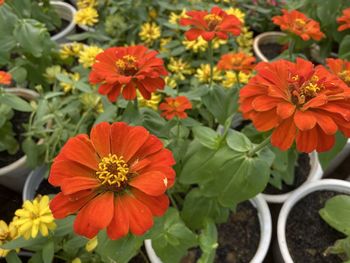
[[153, 183], [100, 137], [283, 136], [119, 225], [157, 204], [304, 120]]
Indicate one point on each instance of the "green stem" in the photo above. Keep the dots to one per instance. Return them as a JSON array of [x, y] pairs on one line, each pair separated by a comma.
[[259, 146], [82, 119], [211, 62], [291, 49], [237, 79], [173, 202], [136, 104]]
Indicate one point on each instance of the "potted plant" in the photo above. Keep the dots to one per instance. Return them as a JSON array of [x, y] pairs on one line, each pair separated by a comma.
[[317, 236]]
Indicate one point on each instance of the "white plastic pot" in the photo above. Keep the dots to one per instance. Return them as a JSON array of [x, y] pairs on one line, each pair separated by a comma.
[[14, 175], [265, 233], [281, 253], [32, 183], [66, 12], [338, 159], [315, 174], [265, 38]]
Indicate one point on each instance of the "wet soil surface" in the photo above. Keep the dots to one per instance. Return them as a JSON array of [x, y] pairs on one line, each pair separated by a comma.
[[238, 238], [308, 236], [271, 50], [17, 121], [10, 201], [301, 173]]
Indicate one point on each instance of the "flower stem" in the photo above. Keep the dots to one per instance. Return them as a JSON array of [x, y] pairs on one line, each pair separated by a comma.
[[211, 62], [173, 202], [259, 146], [291, 49]]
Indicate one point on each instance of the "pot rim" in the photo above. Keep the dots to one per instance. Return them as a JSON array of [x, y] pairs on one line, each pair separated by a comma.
[[68, 15], [266, 35], [265, 223], [325, 184], [315, 173]]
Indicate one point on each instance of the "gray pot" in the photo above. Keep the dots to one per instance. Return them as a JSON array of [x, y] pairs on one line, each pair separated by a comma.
[[32, 183]]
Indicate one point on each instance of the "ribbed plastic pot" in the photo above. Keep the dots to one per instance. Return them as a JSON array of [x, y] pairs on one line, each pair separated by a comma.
[[265, 233], [265, 38]]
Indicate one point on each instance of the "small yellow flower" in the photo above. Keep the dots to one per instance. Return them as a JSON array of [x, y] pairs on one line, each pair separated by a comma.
[[245, 41], [35, 216], [7, 233], [236, 12], [175, 18], [179, 67], [152, 13], [91, 244], [163, 43], [51, 73], [86, 17], [70, 50], [88, 54], [149, 32], [196, 45], [203, 74], [91, 99], [231, 78], [67, 87], [217, 42], [86, 3], [151, 103], [76, 260], [170, 82]]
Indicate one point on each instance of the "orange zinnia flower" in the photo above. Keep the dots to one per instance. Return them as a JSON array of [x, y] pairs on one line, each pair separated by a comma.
[[300, 102], [125, 69], [175, 107], [237, 62], [345, 19], [299, 24], [116, 179], [5, 78], [208, 25], [341, 68], [2, 2]]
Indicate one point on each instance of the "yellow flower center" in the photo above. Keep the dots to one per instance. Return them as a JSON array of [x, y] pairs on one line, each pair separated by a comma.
[[213, 20], [113, 170], [299, 22], [344, 75], [307, 91], [127, 65]]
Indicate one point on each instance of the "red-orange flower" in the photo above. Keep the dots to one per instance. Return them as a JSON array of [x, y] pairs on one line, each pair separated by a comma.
[[175, 107], [341, 68], [237, 62], [125, 69], [299, 24], [116, 179], [2, 2], [344, 20], [5, 78], [300, 102], [208, 25]]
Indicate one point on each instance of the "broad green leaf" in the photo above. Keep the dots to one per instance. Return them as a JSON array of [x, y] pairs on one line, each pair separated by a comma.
[[337, 213], [207, 137], [21, 242], [15, 102], [341, 247], [64, 226], [19, 74], [13, 258], [238, 141], [48, 252], [344, 48], [208, 242]]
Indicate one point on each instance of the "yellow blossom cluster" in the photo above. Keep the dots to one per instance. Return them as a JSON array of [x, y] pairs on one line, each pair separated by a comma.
[[151, 103], [180, 68], [87, 14], [174, 18], [88, 55], [149, 33], [203, 73], [70, 50], [231, 78]]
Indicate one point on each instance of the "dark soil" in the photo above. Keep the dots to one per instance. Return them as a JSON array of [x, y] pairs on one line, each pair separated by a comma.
[[301, 172], [308, 236], [238, 238], [10, 201], [271, 50], [19, 118], [139, 258], [45, 188]]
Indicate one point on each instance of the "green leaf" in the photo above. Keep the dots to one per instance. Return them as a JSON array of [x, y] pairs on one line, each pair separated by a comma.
[[198, 208], [342, 248], [207, 137], [171, 238], [238, 141], [21, 242], [48, 252], [13, 258], [337, 213], [208, 242], [131, 114], [15, 102], [19, 74], [344, 48], [64, 226]]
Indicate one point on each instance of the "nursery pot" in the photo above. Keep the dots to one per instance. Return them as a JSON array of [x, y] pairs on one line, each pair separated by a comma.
[[265, 38], [67, 13], [316, 173], [281, 252], [32, 183], [265, 233], [338, 159], [14, 174]]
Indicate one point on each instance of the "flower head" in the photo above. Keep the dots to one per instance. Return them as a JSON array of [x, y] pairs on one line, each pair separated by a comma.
[[175, 18], [299, 102], [70, 50], [7, 233], [91, 244], [210, 24], [114, 179], [126, 69], [341, 68], [299, 24], [230, 78], [179, 67], [68, 86], [196, 45], [5, 78], [86, 3], [175, 107], [149, 32], [86, 17], [237, 13], [344, 20], [51, 73], [203, 73], [237, 62], [34, 217], [87, 55], [245, 41], [151, 103]]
